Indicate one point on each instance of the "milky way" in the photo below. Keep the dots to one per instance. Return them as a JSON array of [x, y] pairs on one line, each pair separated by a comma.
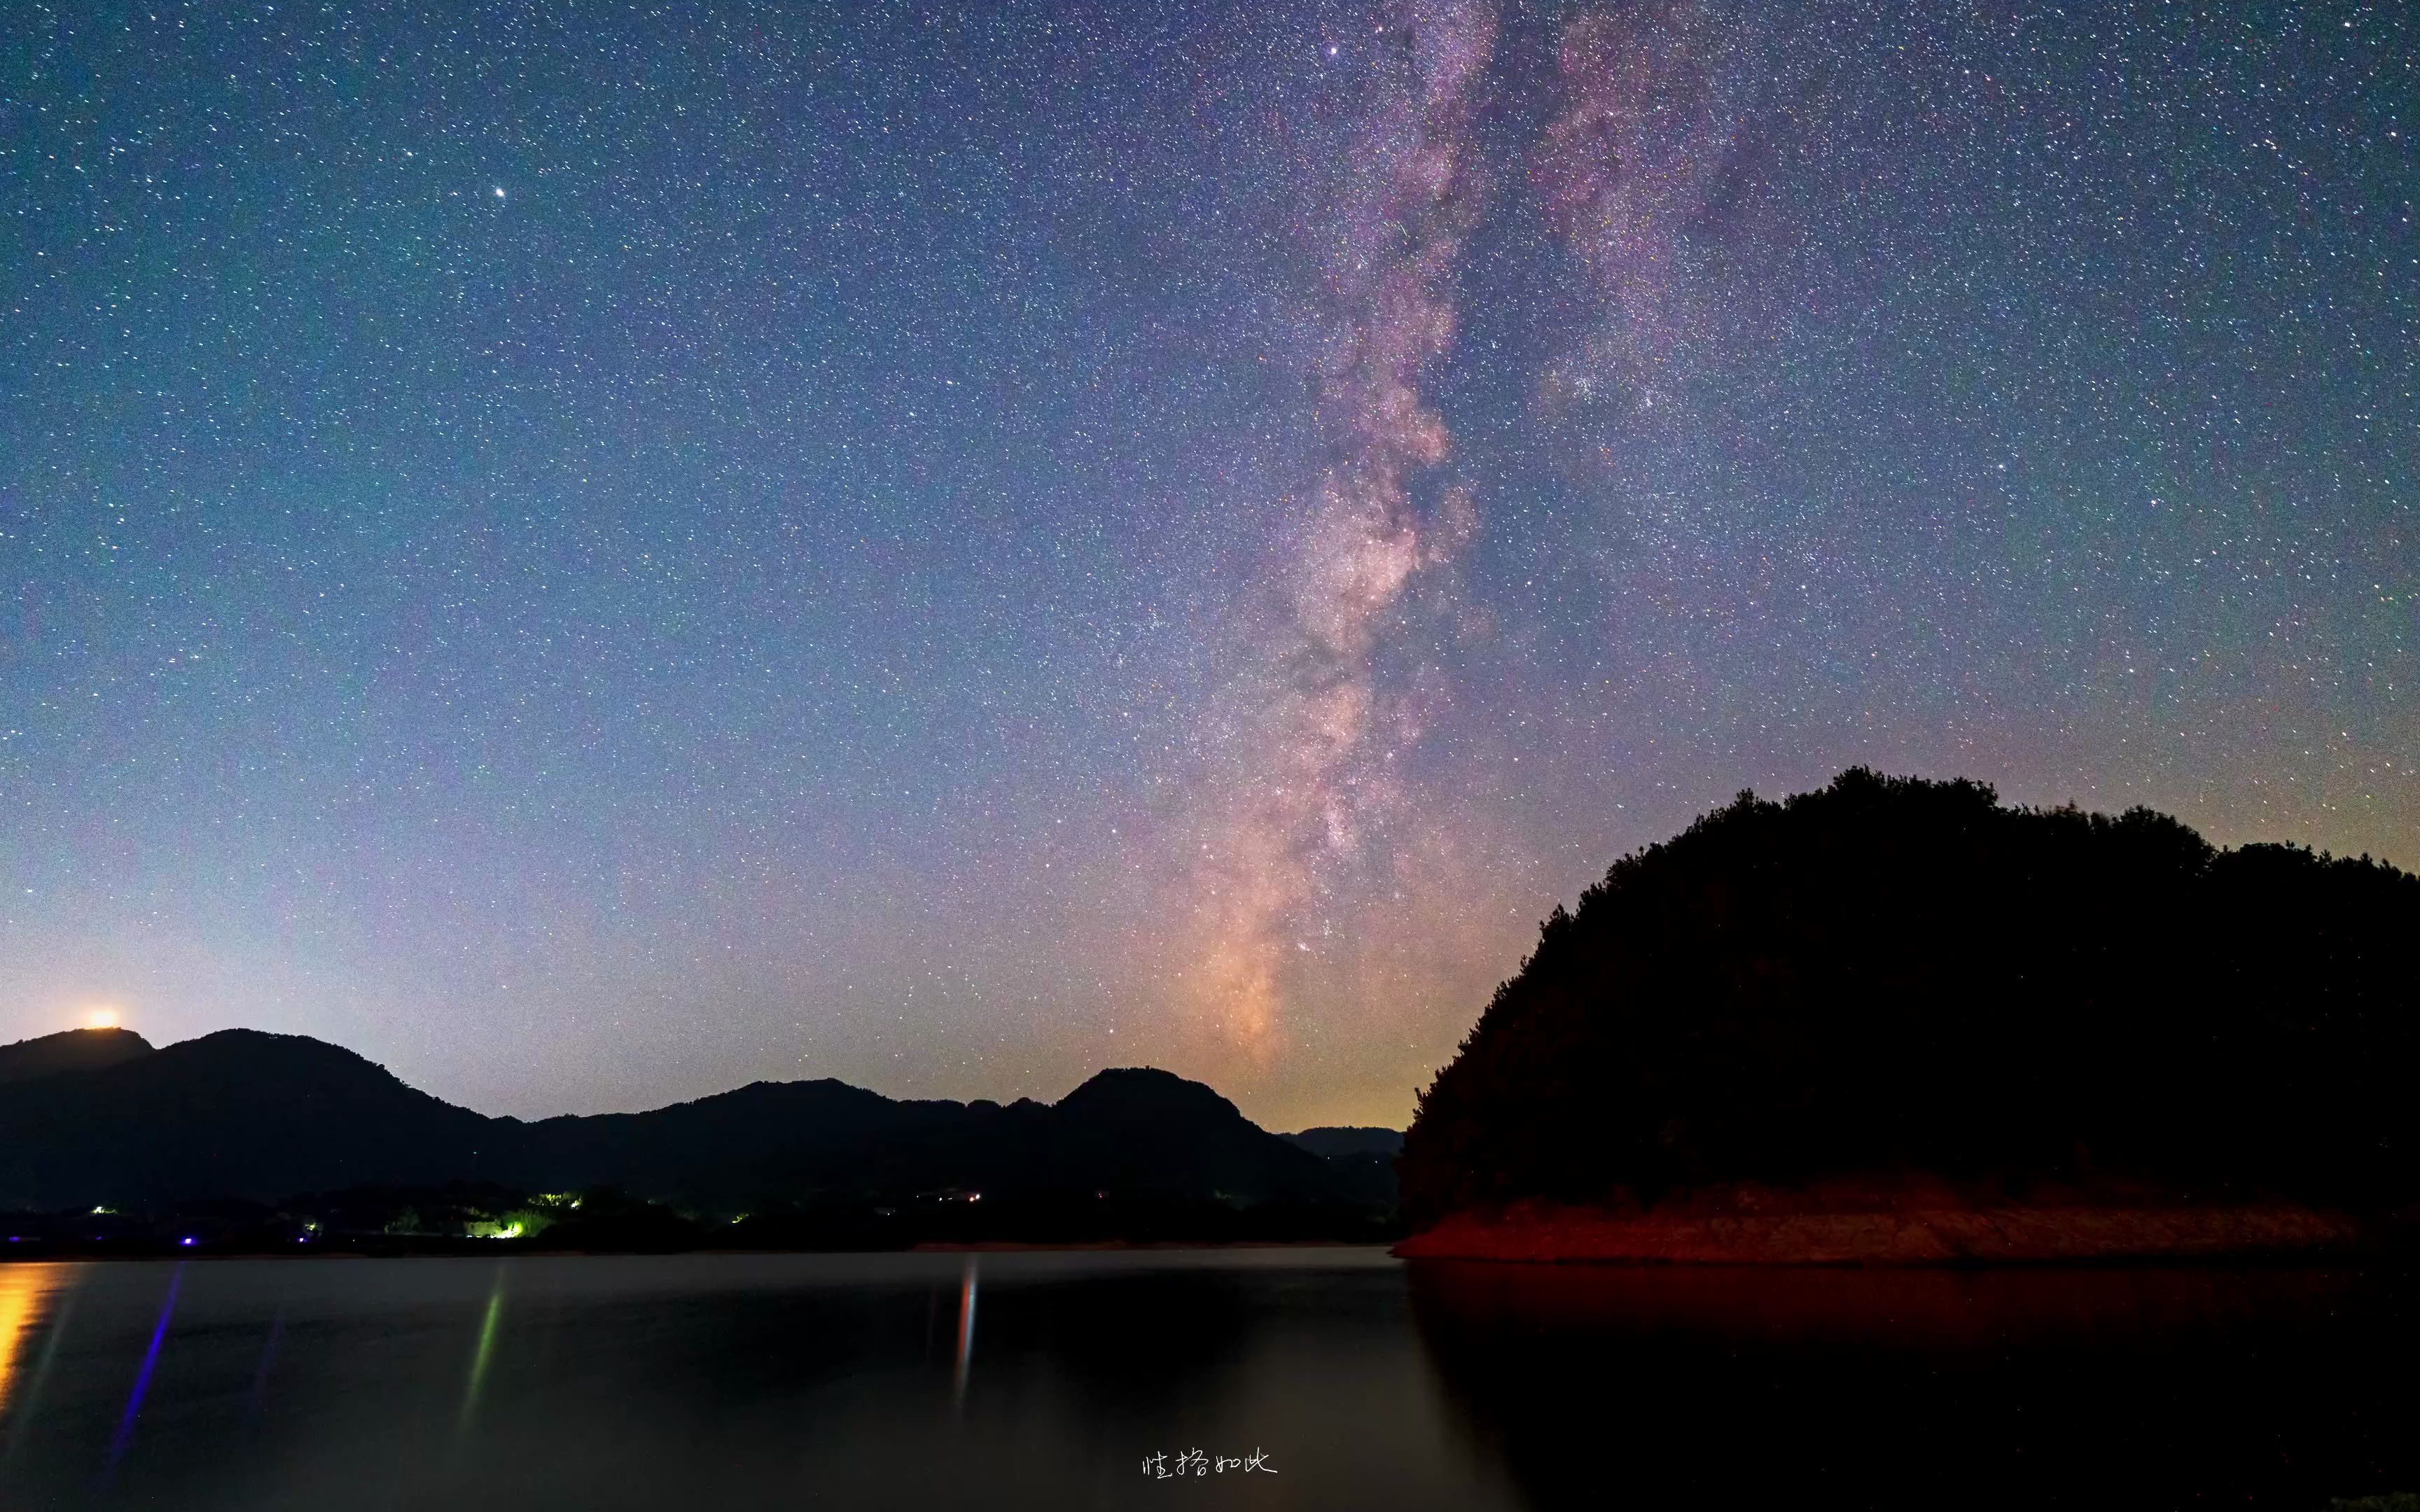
[[599, 555], [1650, 149], [1305, 767]]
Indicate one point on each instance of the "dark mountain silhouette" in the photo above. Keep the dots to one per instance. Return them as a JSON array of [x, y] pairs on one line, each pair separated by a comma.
[[1893, 978], [1335, 1142], [70, 1050], [1136, 1132], [1137, 1127], [263, 1118], [237, 1114], [1362, 1159]]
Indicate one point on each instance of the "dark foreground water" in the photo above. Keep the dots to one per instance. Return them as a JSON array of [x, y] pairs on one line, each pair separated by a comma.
[[703, 1383]]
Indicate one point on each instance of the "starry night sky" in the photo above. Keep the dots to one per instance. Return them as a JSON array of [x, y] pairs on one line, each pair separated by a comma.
[[594, 554]]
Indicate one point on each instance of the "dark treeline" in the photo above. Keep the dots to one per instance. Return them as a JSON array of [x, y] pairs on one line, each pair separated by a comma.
[[1894, 975]]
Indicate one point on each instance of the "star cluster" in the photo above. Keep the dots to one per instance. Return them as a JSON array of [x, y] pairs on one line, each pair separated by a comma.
[[598, 553]]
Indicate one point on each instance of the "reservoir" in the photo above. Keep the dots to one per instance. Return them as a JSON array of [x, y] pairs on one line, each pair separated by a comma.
[[1275, 1378]]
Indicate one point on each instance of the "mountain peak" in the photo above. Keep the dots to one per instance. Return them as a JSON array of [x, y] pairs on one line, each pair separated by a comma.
[[1146, 1090], [69, 1050], [262, 1049]]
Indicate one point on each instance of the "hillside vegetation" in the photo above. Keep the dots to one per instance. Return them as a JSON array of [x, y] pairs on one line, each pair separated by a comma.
[[1893, 978]]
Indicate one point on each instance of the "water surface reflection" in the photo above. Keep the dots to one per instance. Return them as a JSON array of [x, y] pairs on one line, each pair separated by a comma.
[[2135, 1388], [28, 1295], [1034, 1381], [894, 1381]]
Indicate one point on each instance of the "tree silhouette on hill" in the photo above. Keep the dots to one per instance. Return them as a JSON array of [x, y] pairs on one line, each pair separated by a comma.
[[1896, 975]]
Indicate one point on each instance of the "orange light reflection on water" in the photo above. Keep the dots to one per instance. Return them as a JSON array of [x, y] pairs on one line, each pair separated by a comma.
[[966, 1286], [28, 1294]]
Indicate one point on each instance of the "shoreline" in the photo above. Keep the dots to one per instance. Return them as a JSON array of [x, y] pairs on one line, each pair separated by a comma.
[[1877, 1235], [456, 1250]]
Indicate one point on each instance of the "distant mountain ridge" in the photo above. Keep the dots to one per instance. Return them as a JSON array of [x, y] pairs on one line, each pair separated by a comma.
[[243, 1113], [1344, 1141]]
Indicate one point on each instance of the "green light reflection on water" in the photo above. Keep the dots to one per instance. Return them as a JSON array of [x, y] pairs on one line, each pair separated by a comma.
[[487, 1348]]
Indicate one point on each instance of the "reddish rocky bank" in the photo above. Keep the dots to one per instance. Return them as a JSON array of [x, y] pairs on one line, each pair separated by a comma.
[[1848, 1227]]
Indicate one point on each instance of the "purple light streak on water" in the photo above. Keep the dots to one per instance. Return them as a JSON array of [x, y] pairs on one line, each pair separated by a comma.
[[260, 1374], [143, 1380]]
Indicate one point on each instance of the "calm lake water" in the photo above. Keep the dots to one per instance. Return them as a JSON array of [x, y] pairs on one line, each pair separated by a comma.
[[1048, 1379]]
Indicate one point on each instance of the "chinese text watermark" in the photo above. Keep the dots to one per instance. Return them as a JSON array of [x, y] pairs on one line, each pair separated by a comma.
[[1194, 1463]]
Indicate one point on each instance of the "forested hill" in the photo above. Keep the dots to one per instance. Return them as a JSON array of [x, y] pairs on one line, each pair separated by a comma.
[[1896, 975]]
